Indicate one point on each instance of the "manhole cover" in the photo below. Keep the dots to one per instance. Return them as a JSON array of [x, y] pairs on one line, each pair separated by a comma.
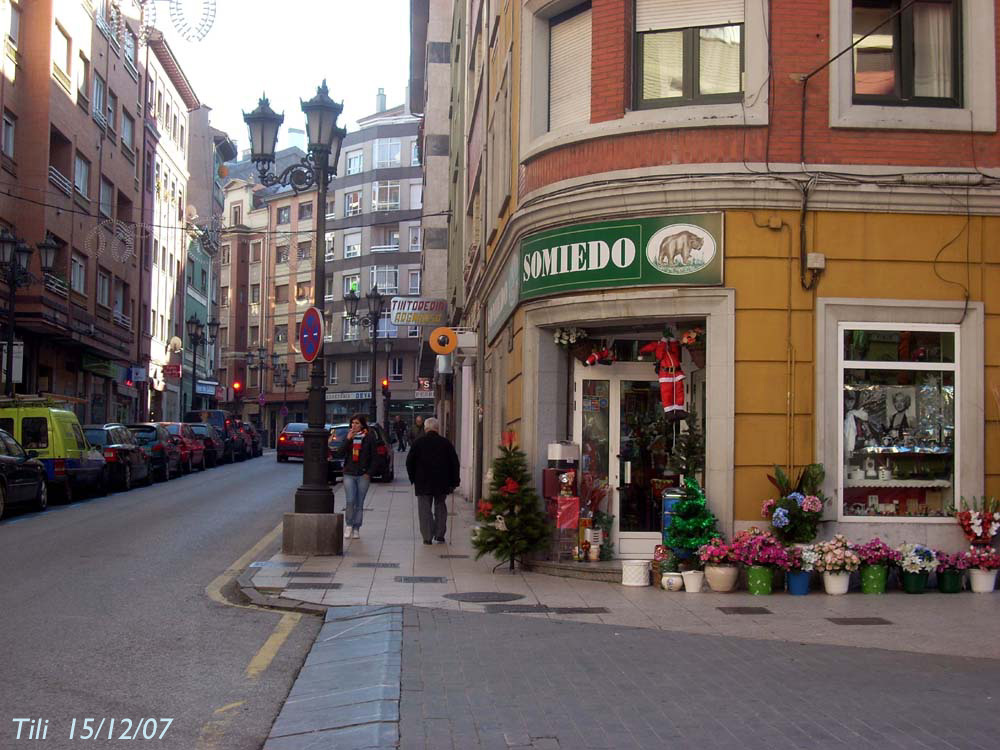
[[376, 565], [454, 557], [269, 564], [512, 609], [745, 610], [580, 610], [484, 596], [858, 621], [420, 579]]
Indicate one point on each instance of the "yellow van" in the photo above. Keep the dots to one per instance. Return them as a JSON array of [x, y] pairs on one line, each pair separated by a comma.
[[72, 465]]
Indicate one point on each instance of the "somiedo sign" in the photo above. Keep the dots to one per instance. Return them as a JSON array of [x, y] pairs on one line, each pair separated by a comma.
[[655, 251]]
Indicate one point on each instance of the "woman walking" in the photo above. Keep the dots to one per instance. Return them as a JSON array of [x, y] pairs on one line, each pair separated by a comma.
[[358, 452]]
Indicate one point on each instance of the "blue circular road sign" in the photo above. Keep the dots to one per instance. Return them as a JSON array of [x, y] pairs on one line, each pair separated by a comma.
[[311, 334]]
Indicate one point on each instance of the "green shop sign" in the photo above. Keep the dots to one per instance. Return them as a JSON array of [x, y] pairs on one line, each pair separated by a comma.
[[657, 251]]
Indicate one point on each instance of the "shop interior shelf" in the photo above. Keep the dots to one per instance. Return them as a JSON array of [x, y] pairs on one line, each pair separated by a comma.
[[897, 483]]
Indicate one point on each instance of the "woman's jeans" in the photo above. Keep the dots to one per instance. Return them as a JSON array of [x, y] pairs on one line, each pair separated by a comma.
[[355, 489]]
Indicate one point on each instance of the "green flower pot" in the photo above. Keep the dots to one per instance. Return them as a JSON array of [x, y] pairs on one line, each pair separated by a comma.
[[873, 578], [950, 581], [759, 580], [914, 583]]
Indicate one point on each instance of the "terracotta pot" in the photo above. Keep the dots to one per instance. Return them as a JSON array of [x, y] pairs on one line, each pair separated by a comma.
[[721, 578]]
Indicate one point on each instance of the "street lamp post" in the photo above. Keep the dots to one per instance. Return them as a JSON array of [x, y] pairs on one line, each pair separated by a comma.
[[316, 169], [369, 320], [15, 254], [198, 337]]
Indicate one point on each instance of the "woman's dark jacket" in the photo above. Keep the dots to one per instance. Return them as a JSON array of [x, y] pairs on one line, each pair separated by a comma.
[[366, 456], [432, 465]]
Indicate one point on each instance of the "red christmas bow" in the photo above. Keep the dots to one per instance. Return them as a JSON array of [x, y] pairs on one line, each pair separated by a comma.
[[510, 487]]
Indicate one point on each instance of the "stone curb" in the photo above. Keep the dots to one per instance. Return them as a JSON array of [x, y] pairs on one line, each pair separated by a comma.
[[246, 588]]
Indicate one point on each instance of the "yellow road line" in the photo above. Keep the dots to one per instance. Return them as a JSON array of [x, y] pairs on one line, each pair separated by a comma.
[[262, 659], [213, 732], [214, 589], [228, 707]]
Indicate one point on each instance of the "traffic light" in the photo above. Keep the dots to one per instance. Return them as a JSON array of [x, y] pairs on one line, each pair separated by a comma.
[[237, 389], [385, 387]]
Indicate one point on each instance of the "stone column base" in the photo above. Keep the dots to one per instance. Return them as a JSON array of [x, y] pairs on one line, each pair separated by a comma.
[[313, 534]]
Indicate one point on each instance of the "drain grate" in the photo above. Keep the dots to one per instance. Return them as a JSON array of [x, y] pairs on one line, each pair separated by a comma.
[[376, 565], [859, 621], [454, 557], [320, 586], [484, 596], [306, 574], [420, 579], [269, 564], [515, 609], [745, 610]]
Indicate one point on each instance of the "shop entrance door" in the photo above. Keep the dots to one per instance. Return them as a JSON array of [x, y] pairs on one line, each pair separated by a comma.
[[624, 456]]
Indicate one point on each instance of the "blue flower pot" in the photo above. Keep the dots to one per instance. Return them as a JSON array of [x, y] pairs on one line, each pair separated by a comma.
[[798, 582]]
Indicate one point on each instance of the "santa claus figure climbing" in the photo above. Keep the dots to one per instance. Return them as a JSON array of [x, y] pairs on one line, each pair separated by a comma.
[[667, 352]]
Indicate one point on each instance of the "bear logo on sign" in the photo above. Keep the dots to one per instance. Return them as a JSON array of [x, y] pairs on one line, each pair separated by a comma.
[[680, 249]]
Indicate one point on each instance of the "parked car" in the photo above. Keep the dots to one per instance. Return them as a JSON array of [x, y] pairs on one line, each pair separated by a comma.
[[192, 449], [125, 460], [255, 438], [22, 476], [226, 423], [158, 444], [72, 466], [211, 438], [335, 464], [290, 443], [383, 470]]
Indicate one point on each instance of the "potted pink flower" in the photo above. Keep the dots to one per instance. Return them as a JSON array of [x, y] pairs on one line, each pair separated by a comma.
[[983, 565], [876, 556], [836, 561], [951, 567], [761, 552], [721, 571]]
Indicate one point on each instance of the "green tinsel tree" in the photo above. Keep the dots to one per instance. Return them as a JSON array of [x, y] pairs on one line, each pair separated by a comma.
[[512, 524], [693, 523]]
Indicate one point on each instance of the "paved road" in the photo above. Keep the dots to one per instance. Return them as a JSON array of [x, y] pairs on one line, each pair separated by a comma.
[[103, 611], [499, 682]]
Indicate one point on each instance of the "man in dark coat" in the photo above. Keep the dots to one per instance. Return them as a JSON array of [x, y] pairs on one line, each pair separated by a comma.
[[432, 466]]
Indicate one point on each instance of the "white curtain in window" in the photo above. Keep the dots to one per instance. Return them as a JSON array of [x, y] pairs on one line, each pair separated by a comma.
[[932, 73], [569, 71], [655, 15]]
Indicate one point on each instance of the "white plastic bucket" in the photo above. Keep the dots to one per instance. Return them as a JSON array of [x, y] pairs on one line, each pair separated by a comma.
[[635, 572]]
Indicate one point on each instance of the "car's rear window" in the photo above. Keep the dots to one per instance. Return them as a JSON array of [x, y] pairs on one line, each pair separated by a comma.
[[143, 435], [173, 429], [96, 437], [339, 433], [295, 427], [35, 432], [202, 429]]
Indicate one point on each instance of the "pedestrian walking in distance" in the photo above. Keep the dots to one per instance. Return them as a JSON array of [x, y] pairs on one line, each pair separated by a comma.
[[417, 430], [358, 452], [399, 427], [432, 466]]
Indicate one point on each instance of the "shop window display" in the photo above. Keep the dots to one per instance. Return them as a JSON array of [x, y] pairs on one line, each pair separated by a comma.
[[898, 435]]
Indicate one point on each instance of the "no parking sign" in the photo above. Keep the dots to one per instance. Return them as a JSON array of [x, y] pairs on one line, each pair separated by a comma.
[[311, 334]]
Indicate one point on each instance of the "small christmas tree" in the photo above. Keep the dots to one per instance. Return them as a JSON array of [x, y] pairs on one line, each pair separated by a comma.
[[512, 524], [693, 523]]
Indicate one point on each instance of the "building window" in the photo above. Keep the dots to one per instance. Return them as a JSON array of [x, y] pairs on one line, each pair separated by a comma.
[[113, 110], [253, 378], [78, 273], [304, 251], [329, 254], [352, 245], [60, 51], [281, 294], [254, 335], [81, 176], [413, 332], [130, 47], [385, 327], [103, 288], [14, 30], [284, 214], [107, 193], [396, 369], [128, 130], [686, 55], [225, 255], [385, 278], [899, 439], [352, 283], [303, 291], [355, 162], [414, 239], [416, 195], [281, 334], [414, 282], [913, 58], [9, 128], [254, 294], [415, 153], [223, 296], [331, 372], [352, 203], [237, 215], [223, 337], [569, 68], [360, 371], [281, 254], [82, 76], [305, 211], [97, 100], [302, 372], [387, 153], [349, 330], [385, 196]]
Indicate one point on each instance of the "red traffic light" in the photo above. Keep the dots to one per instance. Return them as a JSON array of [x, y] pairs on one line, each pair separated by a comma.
[[385, 386], [237, 386]]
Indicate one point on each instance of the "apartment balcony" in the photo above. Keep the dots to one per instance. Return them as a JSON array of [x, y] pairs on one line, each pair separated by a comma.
[[122, 319], [56, 285], [60, 180], [385, 248]]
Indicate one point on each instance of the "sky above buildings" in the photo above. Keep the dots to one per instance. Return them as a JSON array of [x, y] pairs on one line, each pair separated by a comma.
[[285, 48]]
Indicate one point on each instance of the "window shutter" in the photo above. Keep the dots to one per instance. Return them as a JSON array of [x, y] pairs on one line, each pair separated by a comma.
[[569, 71], [656, 15]]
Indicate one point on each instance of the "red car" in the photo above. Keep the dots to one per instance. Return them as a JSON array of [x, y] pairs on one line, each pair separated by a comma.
[[192, 448], [290, 444]]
